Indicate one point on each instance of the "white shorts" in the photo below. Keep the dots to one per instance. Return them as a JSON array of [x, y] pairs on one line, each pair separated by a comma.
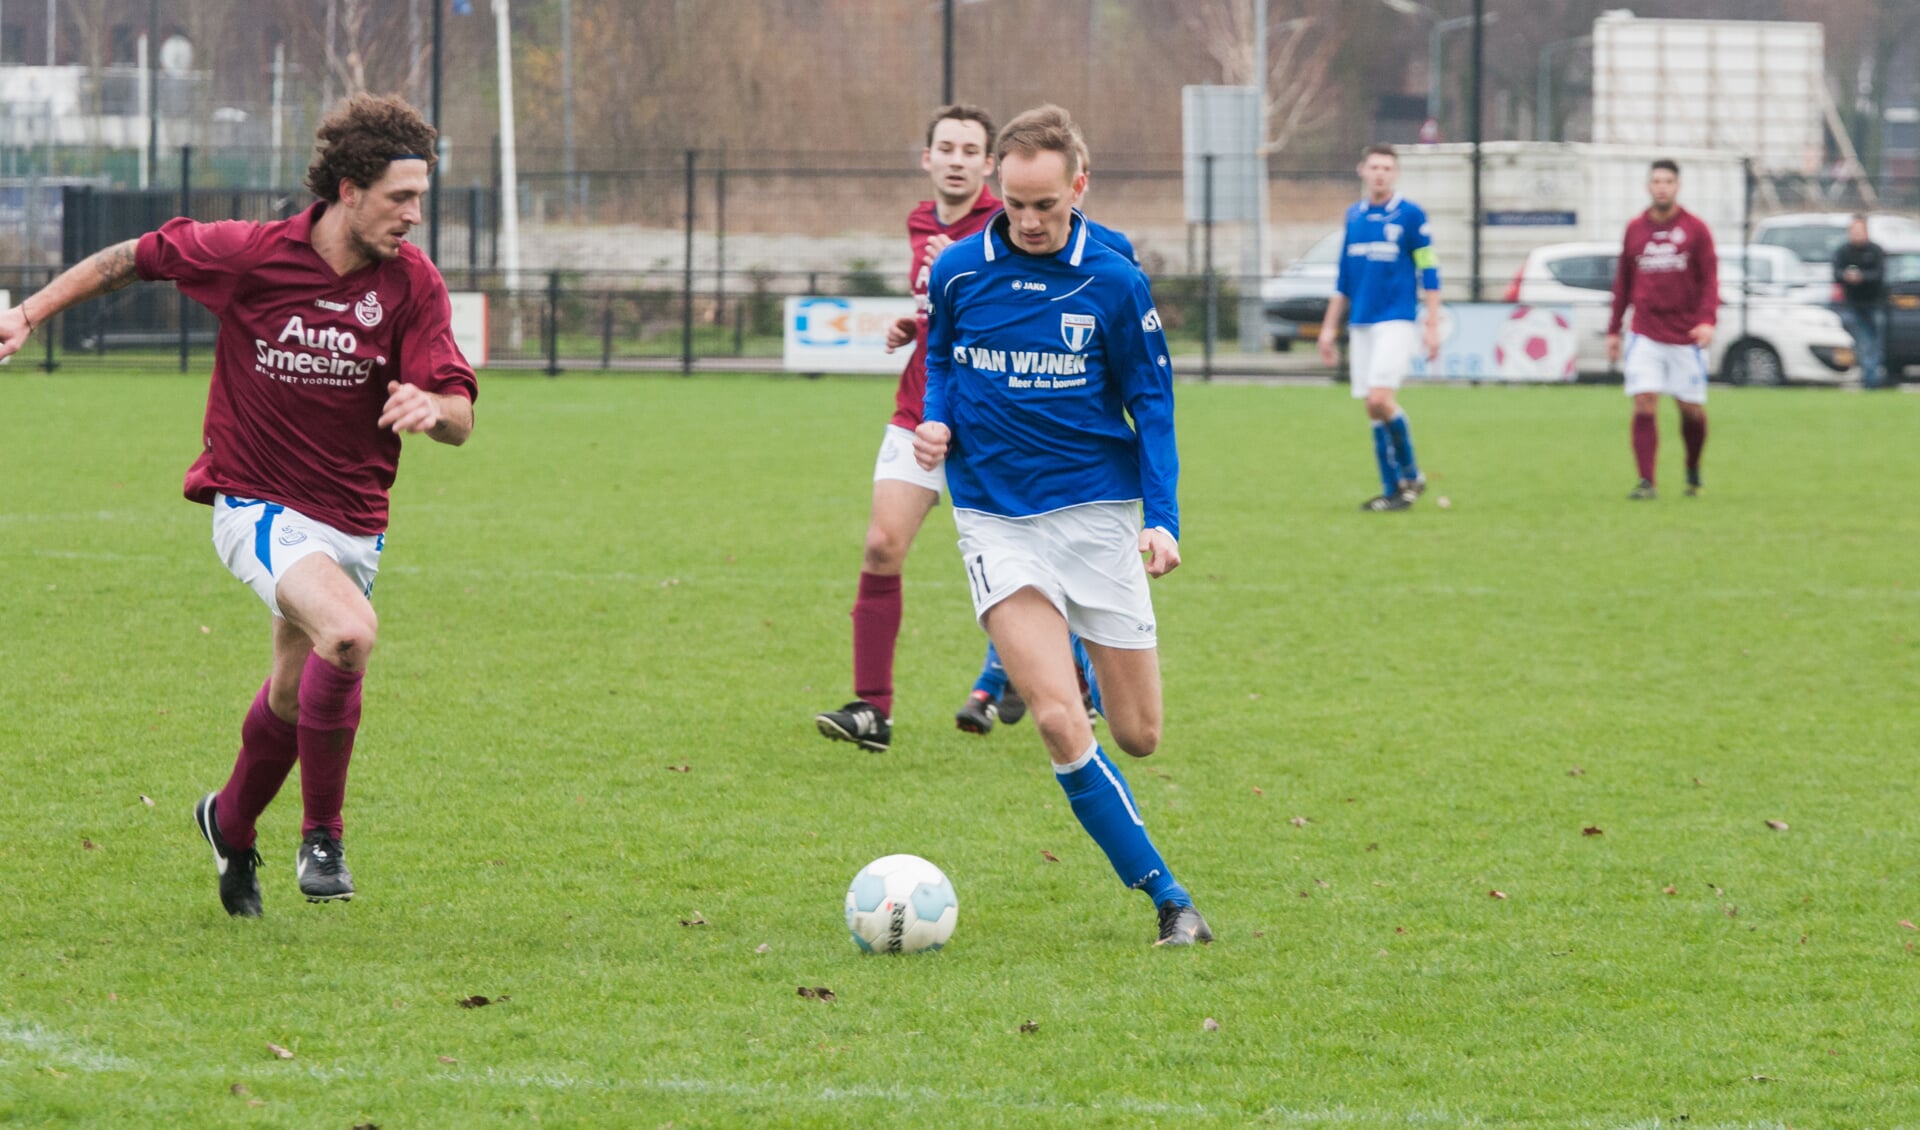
[[896, 462], [260, 541], [1084, 559], [1379, 355], [1680, 371]]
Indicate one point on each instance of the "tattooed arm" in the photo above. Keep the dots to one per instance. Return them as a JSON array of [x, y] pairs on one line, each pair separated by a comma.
[[100, 273]]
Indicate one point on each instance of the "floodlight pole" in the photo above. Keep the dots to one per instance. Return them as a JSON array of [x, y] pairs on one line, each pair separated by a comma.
[[1479, 76], [946, 52], [433, 185]]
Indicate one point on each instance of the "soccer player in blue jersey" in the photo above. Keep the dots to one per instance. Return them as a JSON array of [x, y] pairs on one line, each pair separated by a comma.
[[993, 697], [1385, 261], [1042, 345]]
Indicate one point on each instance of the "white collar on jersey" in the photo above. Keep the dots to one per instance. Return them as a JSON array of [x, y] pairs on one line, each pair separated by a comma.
[[1369, 206], [1078, 239]]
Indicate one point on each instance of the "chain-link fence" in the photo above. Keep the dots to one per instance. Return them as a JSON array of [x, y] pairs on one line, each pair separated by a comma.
[[683, 260]]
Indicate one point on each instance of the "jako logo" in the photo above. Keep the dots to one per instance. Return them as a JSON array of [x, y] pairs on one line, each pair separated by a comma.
[[1023, 284]]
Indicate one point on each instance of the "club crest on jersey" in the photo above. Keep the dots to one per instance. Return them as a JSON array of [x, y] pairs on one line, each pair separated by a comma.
[[1076, 330], [1393, 232], [369, 310]]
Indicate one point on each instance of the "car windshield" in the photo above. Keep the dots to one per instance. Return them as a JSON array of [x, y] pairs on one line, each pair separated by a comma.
[[1812, 243], [1325, 253]]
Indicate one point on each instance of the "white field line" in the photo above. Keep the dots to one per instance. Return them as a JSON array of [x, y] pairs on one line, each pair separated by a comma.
[[54, 1050]]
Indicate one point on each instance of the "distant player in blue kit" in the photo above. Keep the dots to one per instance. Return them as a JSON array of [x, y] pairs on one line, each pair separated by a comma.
[[1386, 261], [1042, 345]]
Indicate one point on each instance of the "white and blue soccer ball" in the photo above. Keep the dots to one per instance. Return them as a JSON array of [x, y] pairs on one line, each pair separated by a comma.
[[901, 904]]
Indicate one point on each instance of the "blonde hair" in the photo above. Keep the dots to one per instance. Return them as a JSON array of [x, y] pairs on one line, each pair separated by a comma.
[[1043, 129]]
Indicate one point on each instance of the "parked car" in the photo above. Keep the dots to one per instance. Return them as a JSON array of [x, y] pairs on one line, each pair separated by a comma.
[[1903, 306], [1789, 333], [1296, 299], [1813, 237]]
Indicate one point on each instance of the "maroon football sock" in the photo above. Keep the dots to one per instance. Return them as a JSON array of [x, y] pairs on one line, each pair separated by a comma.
[[1646, 443], [268, 749], [329, 714], [876, 628], [1693, 429]]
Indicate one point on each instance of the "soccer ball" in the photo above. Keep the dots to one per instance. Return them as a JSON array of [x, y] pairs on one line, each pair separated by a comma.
[[901, 904], [1535, 344]]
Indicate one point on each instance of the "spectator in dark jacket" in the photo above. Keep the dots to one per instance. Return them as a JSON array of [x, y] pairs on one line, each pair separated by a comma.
[[1859, 266]]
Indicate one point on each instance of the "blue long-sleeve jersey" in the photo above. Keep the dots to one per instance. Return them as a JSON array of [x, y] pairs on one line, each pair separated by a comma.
[[1387, 246], [1035, 363], [1114, 238]]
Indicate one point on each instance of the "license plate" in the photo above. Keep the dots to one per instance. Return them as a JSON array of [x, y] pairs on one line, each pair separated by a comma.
[[1309, 329], [1906, 302]]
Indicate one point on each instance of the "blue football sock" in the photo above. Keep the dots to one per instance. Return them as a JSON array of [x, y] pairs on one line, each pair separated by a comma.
[[993, 676], [1383, 452], [1403, 446], [1086, 672], [1104, 806]]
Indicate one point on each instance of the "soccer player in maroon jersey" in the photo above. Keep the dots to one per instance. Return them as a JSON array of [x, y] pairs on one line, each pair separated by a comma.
[[1670, 275], [958, 159], [334, 340]]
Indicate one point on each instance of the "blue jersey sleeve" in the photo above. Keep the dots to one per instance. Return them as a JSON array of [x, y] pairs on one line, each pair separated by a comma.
[[1136, 351], [1418, 242], [1344, 281], [933, 407]]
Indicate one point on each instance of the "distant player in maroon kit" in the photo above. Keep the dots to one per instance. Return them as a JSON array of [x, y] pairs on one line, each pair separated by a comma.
[[334, 339], [958, 158], [1670, 275]]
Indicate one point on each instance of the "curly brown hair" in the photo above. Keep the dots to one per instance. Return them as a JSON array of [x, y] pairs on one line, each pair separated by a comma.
[[361, 137]]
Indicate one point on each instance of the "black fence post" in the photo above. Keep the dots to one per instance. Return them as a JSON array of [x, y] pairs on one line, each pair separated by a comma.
[[473, 237], [686, 279], [1746, 240], [553, 323], [606, 333], [186, 209], [49, 365], [720, 243], [1211, 300]]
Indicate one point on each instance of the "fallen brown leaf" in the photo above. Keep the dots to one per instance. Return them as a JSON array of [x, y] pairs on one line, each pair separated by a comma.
[[1373, 847], [1908, 924], [1030, 1026], [1210, 1025], [1732, 910], [1592, 830], [475, 1001], [803, 991], [447, 1059], [205, 631], [679, 768], [1049, 856], [823, 993], [1257, 792], [1669, 891], [277, 1050], [1759, 1078], [1497, 894], [1299, 821], [238, 1088], [1576, 771], [366, 1126], [1777, 825], [698, 919], [1259, 933], [763, 948], [88, 845], [146, 800], [1399, 929]]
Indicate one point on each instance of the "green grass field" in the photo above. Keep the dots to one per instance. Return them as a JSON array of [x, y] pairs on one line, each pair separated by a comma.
[[1373, 721]]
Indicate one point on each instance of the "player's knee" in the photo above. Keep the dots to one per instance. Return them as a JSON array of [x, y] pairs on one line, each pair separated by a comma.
[[1056, 719], [347, 641], [1138, 741], [886, 550]]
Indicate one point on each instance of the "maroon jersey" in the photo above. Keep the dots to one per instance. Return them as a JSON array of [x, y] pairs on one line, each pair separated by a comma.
[[302, 361], [1670, 275], [923, 223]]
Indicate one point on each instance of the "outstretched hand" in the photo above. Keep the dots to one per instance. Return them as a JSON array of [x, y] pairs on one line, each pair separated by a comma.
[[13, 331], [1163, 553], [409, 408]]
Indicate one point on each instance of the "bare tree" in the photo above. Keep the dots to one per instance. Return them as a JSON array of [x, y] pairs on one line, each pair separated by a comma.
[[1302, 44]]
